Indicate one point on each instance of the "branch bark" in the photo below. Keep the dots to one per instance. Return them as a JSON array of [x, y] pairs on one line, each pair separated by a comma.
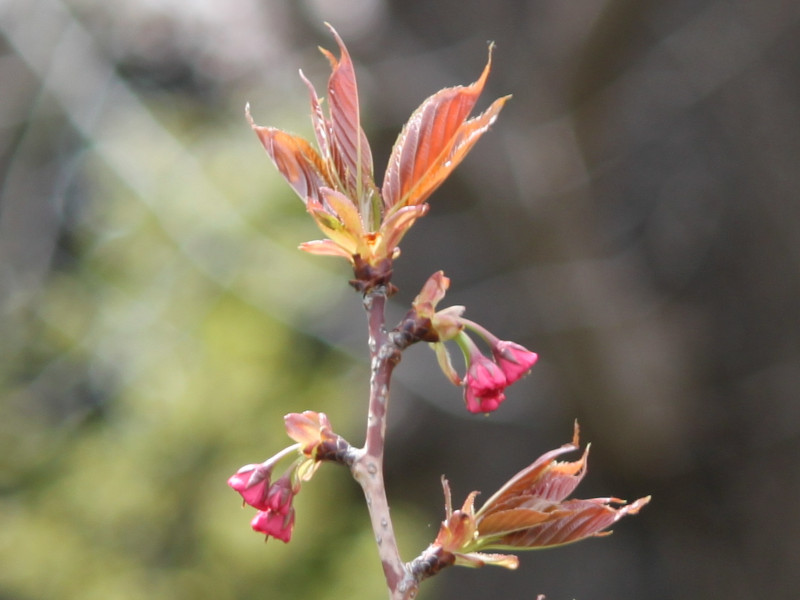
[[367, 468]]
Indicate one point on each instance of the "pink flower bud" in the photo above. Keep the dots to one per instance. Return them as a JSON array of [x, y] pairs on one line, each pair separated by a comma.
[[280, 495], [483, 384], [514, 360], [274, 524], [253, 483], [483, 403]]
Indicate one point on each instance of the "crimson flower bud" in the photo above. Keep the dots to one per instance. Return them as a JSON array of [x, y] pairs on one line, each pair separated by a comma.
[[484, 384], [253, 483], [514, 360], [274, 524], [280, 495]]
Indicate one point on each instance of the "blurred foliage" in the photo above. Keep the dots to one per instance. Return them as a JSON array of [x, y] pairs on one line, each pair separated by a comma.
[[144, 387], [139, 373]]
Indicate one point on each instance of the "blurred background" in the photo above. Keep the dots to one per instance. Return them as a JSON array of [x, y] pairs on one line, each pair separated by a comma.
[[632, 216]]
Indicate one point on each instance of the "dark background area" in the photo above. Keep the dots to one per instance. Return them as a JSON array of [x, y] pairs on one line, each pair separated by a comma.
[[631, 216]]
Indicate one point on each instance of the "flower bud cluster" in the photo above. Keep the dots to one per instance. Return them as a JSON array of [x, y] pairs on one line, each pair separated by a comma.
[[275, 516], [486, 378], [273, 500]]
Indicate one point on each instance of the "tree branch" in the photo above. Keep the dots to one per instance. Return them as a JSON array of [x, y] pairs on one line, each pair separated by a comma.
[[368, 467]]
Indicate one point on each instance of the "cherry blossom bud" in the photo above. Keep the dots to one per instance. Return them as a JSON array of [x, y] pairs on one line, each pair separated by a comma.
[[280, 495], [514, 360], [253, 483], [484, 384], [274, 524]]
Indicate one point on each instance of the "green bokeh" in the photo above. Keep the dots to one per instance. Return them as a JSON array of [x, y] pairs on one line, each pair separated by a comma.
[[160, 357]]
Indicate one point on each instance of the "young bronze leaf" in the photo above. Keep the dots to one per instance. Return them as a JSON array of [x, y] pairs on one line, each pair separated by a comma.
[[507, 521], [536, 475], [349, 146], [345, 211], [435, 139], [579, 519], [321, 125], [325, 248], [520, 501], [295, 158], [559, 480], [397, 225], [331, 225]]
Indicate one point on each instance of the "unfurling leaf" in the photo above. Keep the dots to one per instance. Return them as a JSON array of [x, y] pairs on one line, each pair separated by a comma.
[[298, 161], [573, 520], [506, 521], [545, 479], [435, 140], [348, 143], [530, 510]]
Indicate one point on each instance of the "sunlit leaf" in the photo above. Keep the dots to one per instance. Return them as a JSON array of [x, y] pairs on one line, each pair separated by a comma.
[[349, 147], [325, 248], [396, 225], [343, 207], [434, 141], [476, 560], [298, 161], [331, 226]]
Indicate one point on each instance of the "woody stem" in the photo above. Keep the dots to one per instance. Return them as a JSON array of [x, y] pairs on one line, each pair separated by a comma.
[[368, 466]]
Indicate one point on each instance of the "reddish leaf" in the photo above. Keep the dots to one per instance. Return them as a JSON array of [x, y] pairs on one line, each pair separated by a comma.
[[560, 480], [397, 225], [530, 511], [507, 521], [325, 248], [543, 476], [576, 520], [529, 501], [553, 483], [349, 146], [322, 127], [295, 158], [434, 141]]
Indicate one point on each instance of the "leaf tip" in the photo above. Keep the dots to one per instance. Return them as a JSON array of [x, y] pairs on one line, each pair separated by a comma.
[[339, 42], [448, 502], [636, 506], [248, 115]]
